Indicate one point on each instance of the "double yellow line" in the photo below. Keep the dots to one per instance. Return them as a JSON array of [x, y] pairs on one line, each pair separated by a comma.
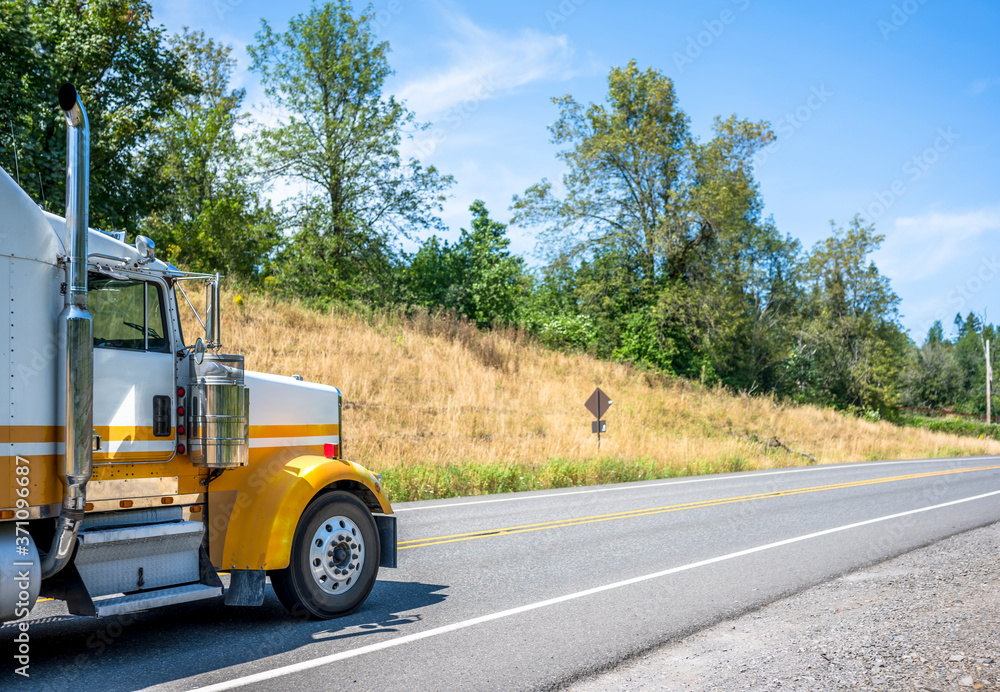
[[577, 521]]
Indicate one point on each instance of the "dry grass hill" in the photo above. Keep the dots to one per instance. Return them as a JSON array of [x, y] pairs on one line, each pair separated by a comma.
[[440, 408]]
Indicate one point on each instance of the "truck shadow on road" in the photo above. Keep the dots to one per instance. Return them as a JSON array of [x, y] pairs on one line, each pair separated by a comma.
[[161, 646]]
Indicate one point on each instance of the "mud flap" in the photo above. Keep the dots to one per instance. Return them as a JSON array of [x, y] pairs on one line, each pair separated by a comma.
[[386, 524], [246, 587]]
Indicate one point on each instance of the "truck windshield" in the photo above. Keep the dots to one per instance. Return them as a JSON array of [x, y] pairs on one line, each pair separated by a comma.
[[128, 314]]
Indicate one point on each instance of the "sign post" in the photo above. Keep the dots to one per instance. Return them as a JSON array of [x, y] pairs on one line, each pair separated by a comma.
[[598, 404]]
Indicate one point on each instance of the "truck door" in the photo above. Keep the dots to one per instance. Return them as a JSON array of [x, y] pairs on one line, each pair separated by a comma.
[[134, 399]]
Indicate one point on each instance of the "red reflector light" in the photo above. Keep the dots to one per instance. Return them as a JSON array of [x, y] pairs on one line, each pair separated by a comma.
[[180, 391], [180, 429], [180, 410], [331, 451], [181, 449]]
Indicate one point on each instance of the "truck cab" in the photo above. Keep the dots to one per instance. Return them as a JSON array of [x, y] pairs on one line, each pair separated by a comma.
[[140, 463]]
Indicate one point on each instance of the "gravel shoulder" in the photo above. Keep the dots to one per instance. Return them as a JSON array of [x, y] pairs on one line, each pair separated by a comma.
[[927, 620]]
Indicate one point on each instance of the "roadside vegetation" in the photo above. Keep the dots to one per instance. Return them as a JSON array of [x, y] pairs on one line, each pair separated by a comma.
[[442, 408], [952, 425]]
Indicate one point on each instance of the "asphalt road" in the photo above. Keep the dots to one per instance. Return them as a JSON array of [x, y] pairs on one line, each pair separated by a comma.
[[533, 590]]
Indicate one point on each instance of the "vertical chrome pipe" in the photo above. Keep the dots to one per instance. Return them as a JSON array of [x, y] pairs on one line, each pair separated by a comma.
[[76, 333], [216, 337]]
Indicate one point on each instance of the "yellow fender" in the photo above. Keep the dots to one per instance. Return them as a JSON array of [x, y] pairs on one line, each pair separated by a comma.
[[271, 496]]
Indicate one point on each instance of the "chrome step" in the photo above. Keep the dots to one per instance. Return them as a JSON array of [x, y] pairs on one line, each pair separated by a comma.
[[155, 599], [113, 560]]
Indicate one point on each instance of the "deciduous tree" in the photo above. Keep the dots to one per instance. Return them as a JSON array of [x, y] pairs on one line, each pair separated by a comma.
[[628, 173], [338, 139], [477, 277], [851, 337], [665, 233], [127, 78]]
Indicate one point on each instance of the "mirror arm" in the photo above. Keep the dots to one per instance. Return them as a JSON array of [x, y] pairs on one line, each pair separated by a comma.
[[213, 331]]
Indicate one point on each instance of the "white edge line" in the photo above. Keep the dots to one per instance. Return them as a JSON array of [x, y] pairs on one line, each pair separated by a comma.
[[640, 485], [445, 629]]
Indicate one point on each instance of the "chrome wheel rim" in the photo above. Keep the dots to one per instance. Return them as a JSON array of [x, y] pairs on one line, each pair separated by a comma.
[[337, 555]]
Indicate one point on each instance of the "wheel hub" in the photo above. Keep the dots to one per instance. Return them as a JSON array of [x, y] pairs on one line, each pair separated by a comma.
[[337, 555]]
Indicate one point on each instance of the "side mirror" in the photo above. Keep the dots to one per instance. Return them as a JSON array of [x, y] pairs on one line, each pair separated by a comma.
[[146, 248], [199, 350], [213, 324]]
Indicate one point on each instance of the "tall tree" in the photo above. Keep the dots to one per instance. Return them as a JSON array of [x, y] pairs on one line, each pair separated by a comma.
[[742, 273], [340, 143], [674, 260], [972, 333], [933, 377], [494, 279], [628, 170], [477, 277], [213, 216], [127, 78], [851, 338], [429, 278]]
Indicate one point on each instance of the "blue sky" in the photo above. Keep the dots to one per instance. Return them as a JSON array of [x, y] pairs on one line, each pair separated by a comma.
[[888, 108]]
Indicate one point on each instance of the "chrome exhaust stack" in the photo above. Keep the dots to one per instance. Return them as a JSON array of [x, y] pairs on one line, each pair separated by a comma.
[[76, 335]]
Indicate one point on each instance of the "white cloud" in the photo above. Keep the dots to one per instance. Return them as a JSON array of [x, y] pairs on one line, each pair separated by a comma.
[[942, 263], [919, 247], [484, 64]]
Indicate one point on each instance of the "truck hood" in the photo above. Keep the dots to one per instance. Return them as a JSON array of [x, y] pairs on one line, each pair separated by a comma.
[[276, 400]]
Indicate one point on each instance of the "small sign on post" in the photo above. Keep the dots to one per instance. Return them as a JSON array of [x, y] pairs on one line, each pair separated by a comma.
[[598, 404]]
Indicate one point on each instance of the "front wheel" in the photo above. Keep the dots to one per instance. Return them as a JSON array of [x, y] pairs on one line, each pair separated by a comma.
[[334, 559]]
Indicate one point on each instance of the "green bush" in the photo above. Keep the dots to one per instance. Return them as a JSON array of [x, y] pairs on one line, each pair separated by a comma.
[[955, 426]]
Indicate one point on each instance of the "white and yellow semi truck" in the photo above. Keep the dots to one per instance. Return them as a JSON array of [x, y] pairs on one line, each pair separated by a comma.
[[135, 466]]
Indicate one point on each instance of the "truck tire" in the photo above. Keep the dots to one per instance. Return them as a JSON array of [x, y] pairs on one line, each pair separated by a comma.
[[334, 559]]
